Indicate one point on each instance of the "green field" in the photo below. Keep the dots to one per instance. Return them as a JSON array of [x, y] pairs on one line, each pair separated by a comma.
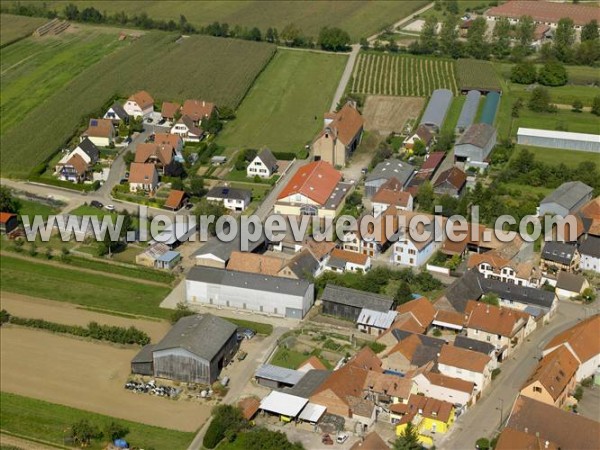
[[222, 71], [32, 208], [453, 113], [13, 28], [72, 286], [284, 109], [383, 74], [555, 156], [475, 74], [359, 18], [37, 419], [34, 69]]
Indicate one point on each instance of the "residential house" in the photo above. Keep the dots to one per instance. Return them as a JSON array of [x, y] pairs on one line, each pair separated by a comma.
[[423, 134], [249, 292], [142, 177], [341, 135], [302, 266], [8, 222], [197, 110], [342, 261], [386, 390], [564, 429], [320, 250], [444, 388], [417, 241], [504, 328], [386, 170], [436, 110], [264, 165], [117, 114], [566, 199], [375, 322], [100, 131], [169, 111], [412, 352], [589, 252], [475, 345], [570, 285], [160, 155], [430, 166], [348, 303], [314, 190], [493, 265], [421, 310], [456, 362], [76, 165], [449, 320], [475, 144], [168, 139], [140, 104], [371, 441], [176, 200], [450, 182], [385, 198], [149, 256], [232, 198], [553, 380], [559, 256], [187, 130], [379, 235], [510, 439], [583, 341], [428, 415]]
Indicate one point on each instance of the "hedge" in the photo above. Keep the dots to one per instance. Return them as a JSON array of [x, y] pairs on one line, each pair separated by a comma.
[[66, 184], [118, 335]]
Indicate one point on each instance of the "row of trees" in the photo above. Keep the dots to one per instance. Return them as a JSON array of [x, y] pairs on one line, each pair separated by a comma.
[[553, 73], [83, 432], [110, 333], [330, 38]]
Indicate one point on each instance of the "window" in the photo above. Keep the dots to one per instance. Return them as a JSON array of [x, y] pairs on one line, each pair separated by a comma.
[[412, 252], [411, 261], [489, 338], [537, 389]]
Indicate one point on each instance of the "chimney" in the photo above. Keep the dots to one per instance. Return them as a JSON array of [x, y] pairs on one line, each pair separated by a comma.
[[546, 444]]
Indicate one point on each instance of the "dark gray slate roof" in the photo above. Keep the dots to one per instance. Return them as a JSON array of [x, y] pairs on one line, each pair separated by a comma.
[[268, 158], [119, 111], [590, 247], [520, 294], [357, 299], [144, 355], [90, 149], [229, 193], [473, 344], [308, 384], [569, 281], [427, 351], [254, 281], [466, 288], [478, 135], [469, 110], [223, 250], [436, 110], [203, 335], [400, 335], [568, 195], [391, 168], [559, 252], [303, 264]]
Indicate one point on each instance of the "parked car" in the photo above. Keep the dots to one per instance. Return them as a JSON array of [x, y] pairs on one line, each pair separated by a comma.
[[341, 438], [225, 381], [247, 333], [161, 121], [96, 204], [110, 207], [242, 355]]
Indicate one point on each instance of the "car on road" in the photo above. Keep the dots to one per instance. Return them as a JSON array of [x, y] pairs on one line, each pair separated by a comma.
[[96, 204], [110, 207], [341, 438]]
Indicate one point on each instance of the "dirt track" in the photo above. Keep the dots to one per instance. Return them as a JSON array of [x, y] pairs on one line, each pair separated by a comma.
[[69, 314], [86, 375]]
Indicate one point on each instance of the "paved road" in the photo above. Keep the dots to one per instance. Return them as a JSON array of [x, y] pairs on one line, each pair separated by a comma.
[[483, 419], [339, 93]]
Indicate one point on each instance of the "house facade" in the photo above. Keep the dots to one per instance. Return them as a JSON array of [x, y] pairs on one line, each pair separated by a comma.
[[476, 143], [467, 365], [264, 165], [589, 252], [444, 388], [232, 198], [187, 130], [140, 104], [142, 177], [100, 132]]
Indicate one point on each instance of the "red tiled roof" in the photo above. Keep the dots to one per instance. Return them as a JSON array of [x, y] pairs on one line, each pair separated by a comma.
[[174, 199], [389, 197], [316, 181], [6, 216], [421, 309], [142, 98], [454, 176], [249, 407], [347, 123], [583, 338], [554, 371], [100, 128], [463, 358], [78, 164], [164, 152], [169, 109], [314, 362], [541, 11], [352, 257], [493, 319], [141, 173], [433, 161], [174, 140], [197, 109]]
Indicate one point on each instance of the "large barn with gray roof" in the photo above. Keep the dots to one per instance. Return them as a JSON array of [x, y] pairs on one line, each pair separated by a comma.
[[348, 303], [249, 291], [194, 350]]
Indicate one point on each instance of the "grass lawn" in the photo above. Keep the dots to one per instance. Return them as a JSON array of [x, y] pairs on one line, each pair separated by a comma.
[[562, 95], [13, 27], [454, 113], [32, 208], [260, 328], [578, 75], [288, 358], [555, 156], [284, 109], [37, 419], [565, 119], [26, 66], [259, 191], [94, 290]]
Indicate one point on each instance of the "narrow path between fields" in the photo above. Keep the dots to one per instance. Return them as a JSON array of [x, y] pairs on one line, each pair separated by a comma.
[[84, 270]]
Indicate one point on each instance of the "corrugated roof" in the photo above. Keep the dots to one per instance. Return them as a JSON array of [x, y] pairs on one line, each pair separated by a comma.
[[376, 319], [436, 110], [490, 107], [568, 194], [551, 134], [283, 404], [469, 110], [312, 412], [391, 168], [279, 374], [478, 135], [355, 298]]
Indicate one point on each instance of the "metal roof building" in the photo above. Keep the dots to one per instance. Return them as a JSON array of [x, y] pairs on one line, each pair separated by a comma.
[[469, 111], [437, 108], [559, 139], [283, 404], [490, 107], [277, 377], [476, 143], [348, 303], [566, 199]]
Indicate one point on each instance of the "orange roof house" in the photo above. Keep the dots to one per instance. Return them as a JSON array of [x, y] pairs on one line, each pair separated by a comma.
[[255, 263], [173, 140], [312, 184], [463, 359], [150, 152], [169, 110], [351, 257], [143, 99], [510, 439], [175, 199], [139, 104], [100, 128], [340, 136], [8, 222], [249, 407], [421, 309], [371, 441], [142, 177], [495, 319], [197, 110]]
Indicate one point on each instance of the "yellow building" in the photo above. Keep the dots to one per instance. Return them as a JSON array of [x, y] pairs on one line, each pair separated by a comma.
[[428, 415]]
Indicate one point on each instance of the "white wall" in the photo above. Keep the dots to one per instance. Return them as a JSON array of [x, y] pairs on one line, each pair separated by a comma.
[[440, 393], [588, 262], [481, 380]]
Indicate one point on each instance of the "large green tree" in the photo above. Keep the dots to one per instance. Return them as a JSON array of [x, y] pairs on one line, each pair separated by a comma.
[[564, 38], [589, 32], [477, 45], [540, 100], [501, 38], [449, 43], [408, 440], [523, 73], [334, 39], [7, 202], [428, 39], [553, 73]]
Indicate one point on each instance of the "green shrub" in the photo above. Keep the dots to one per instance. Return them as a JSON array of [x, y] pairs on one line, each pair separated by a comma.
[[437, 332], [495, 373], [578, 395], [377, 347], [284, 156]]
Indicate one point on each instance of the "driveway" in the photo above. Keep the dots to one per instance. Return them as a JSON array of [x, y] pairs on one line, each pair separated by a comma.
[[589, 406], [484, 419]]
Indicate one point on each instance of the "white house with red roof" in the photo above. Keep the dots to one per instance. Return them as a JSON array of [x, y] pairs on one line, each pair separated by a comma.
[[140, 104]]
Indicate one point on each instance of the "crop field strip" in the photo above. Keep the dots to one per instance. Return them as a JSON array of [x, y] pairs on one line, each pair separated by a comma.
[[400, 75], [223, 75], [13, 28], [475, 74]]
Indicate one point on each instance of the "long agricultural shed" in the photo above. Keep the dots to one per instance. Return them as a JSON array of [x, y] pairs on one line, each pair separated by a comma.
[[437, 108], [559, 139], [490, 107], [469, 111]]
